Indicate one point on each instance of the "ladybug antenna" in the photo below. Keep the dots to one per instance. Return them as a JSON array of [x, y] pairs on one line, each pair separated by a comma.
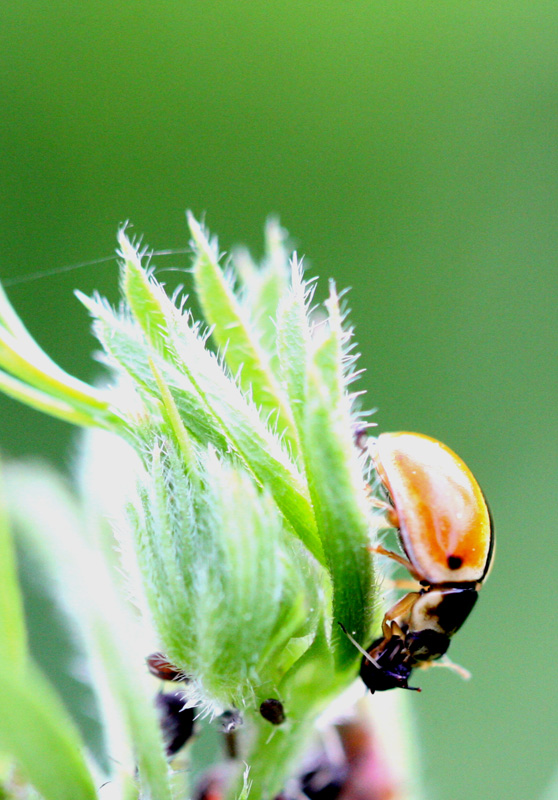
[[353, 641]]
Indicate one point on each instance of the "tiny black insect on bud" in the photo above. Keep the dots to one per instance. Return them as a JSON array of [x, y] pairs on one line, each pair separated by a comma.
[[272, 710], [230, 720], [159, 666], [177, 722]]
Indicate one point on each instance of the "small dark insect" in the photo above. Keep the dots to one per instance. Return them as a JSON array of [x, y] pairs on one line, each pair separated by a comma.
[[177, 722], [159, 666], [230, 720], [272, 710]]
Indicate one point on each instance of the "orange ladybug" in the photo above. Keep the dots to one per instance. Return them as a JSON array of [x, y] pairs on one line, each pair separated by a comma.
[[446, 532]]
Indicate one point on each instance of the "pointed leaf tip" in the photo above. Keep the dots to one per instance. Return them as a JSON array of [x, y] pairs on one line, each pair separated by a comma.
[[196, 230], [127, 249]]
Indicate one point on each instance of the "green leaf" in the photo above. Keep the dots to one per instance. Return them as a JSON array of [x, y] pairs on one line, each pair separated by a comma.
[[248, 436], [27, 374], [294, 341], [11, 323], [174, 421], [138, 290], [257, 587], [53, 526], [31, 366], [210, 403], [337, 486], [36, 730], [129, 691], [125, 343], [40, 401], [235, 335], [262, 288], [304, 603], [13, 637]]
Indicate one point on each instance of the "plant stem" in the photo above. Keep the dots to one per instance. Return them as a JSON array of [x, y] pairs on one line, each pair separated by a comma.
[[307, 690], [273, 755]]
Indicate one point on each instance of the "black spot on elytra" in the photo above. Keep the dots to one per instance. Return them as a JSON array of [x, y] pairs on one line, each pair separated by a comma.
[[454, 562]]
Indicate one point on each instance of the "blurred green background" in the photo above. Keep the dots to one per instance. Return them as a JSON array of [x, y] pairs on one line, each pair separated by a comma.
[[412, 150]]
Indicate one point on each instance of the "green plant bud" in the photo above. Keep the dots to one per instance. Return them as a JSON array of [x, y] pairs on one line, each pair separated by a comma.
[[250, 525], [226, 587]]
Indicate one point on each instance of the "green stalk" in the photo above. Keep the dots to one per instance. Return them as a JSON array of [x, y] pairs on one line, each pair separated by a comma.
[[273, 755], [306, 690]]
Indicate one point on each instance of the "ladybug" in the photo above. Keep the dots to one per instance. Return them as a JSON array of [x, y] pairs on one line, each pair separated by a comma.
[[445, 529]]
